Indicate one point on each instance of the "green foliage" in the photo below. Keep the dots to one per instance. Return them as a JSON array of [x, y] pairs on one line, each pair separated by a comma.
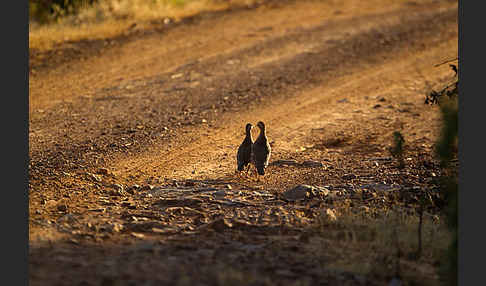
[[398, 140], [397, 149], [46, 11], [446, 149], [178, 2]]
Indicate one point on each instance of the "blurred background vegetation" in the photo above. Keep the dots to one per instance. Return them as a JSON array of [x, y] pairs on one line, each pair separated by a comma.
[[45, 11], [53, 22], [49, 11]]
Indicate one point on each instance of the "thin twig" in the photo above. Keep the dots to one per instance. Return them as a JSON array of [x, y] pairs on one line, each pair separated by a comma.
[[421, 212], [448, 61]]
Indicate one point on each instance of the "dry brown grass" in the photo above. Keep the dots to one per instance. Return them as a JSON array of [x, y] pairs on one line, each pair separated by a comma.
[[110, 18], [373, 245]]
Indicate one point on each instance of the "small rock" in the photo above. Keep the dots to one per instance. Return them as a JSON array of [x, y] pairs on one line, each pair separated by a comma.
[[94, 177], [147, 188], [68, 218], [297, 193], [114, 227], [74, 241], [220, 225], [348, 177], [117, 187], [138, 235], [220, 193], [114, 193], [102, 171], [62, 208], [167, 230], [189, 184], [157, 230], [320, 192], [312, 164], [377, 106], [126, 204], [131, 190], [49, 203], [288, 162]]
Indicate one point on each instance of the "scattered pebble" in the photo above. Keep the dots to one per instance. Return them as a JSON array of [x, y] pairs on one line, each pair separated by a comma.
[[137, 235], [117, 187], [312, 164], [301, 192], [62, 208], [102, 171], [349, 177], [94, 177]]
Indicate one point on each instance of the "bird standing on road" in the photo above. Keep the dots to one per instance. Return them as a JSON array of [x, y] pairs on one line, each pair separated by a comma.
[[261, 150], [243, 156]]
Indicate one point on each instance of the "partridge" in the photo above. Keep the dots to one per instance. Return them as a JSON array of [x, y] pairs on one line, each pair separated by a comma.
[[243, 156], [261, 150]]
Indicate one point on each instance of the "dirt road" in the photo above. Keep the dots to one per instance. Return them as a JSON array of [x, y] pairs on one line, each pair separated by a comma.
[[132, 149]]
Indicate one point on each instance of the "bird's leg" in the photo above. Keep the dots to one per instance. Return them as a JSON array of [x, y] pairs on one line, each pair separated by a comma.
[[255, 174], [248, 169]]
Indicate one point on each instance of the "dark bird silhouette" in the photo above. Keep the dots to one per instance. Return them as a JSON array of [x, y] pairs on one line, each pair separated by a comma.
[[243, 156], [261, 150]]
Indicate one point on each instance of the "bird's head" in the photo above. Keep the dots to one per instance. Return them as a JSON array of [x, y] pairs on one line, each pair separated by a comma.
[[261, 125], [248, 127]]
